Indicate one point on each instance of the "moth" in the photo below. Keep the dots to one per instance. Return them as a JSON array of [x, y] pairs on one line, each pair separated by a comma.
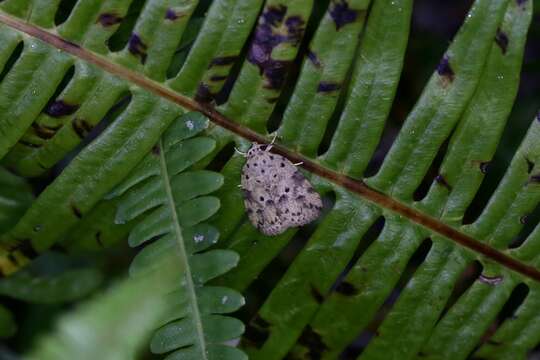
[[277, 196]]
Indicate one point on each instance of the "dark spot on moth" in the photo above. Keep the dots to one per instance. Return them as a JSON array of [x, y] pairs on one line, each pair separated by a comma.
[[328, 86], [313, 58], [60, 108], [342, 14], [43, 132], [266, 38], [313, 341], [282, 199], [445, 70], [442, 181], [490, 280], [346, 288], [502, 40], [247, 194], [530, 165], [223, 60], [316, 294], [172, 15], [109, 19], [484, 167], [298, 178], [76, 211], [137, 47], [81, 127]]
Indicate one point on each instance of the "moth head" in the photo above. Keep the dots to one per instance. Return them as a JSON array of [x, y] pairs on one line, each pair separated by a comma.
[[255, 148]]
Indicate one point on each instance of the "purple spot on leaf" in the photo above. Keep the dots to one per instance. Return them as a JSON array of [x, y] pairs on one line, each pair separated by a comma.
[[327, 86], [204, 94], [444, 69], [502, 40], [223, 60], [313, 58], [109, 19], [60, 108], [342, 14], [484, 167], [137, 47], [172, 15], [81, 127], [266, 39]]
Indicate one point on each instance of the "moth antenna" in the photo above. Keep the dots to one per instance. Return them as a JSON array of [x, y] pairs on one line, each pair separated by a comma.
[[240, 152], [270, 146], [299, 163]]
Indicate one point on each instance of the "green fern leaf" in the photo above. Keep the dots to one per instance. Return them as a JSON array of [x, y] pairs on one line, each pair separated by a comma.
[[15, 197], [172, 201]]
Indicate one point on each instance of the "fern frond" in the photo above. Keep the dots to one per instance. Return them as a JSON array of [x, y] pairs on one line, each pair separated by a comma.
[[173, 204], [15, 197], [344, 280]]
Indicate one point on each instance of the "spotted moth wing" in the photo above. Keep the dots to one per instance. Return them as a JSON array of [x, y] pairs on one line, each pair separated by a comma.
[[277, 196]]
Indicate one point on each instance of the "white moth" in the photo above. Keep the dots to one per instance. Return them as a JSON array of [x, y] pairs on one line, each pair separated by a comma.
[[277, 196]]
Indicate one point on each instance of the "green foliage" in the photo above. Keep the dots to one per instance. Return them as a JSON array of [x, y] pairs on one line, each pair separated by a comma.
[[97, 329], [358, 257], [15, 197], [174, 207]]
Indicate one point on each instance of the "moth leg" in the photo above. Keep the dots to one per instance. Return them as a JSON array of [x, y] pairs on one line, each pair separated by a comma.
[[298, 163]]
